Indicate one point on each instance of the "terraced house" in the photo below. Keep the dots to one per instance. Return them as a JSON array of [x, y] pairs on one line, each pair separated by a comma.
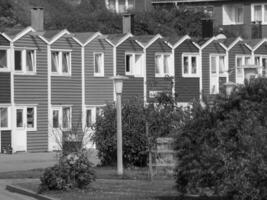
[[53, 83]]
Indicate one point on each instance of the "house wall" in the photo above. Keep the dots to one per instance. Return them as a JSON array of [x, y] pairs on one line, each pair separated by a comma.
[[5, 88], [98, 90], [32, 89], [4, 41], [134, 86], [238, 49], [212, 48], [262, 49], [67, 90], [156, 83], [186, 89]]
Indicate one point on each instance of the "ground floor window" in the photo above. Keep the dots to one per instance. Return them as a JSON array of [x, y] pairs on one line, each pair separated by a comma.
[[61, 117], [26, 118], [91, 113]]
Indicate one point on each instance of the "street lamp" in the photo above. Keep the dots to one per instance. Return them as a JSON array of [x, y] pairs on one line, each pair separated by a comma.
[[229, 87], [118, 82]]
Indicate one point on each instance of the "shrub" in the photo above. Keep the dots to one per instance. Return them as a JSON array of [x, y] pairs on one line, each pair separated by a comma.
[[73, 171], [223, 147]]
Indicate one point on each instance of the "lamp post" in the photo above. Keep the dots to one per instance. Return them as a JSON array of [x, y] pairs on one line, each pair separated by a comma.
[[118, 82], [229, 87]]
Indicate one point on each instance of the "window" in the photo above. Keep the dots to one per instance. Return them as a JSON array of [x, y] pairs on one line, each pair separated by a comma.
[[261, 60], [134, 64], [99, 64], [3, 60], [233, 14], [91, 114], [218, 65], [4, 122], [61, 63], [190, 65], [120, 6], [163, 66], [25, 61], [89, 120], [241, 60], [61, 117], [259, 13], [26, 118]]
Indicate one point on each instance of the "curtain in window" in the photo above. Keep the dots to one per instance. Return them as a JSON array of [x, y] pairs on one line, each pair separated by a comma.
[[257, 13], [19, 121], [3, 117], [138, 65], [55, 62], [122, 6], [186, 65], [65, 62], [98, 63], [166, 64], [194, 65], [265, 13], [88, 118], [3, 59], [29, 61], [222, 65], [213, 65], [264, 67], [239, 69], [130, 4], [30, 117], [55, 119], [158, 64], [66, 117]]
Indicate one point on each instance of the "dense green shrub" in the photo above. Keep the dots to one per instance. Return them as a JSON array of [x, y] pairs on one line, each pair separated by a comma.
[[224, 147], [72, 171]]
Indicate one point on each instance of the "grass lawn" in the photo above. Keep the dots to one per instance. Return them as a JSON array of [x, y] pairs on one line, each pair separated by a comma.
[[115, 189]]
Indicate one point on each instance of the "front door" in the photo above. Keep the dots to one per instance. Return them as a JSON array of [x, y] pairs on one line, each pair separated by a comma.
[[214, 75], [20, 133], [55, 135]]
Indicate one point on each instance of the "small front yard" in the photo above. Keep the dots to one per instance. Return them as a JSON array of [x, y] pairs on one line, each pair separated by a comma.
[[115, 189]]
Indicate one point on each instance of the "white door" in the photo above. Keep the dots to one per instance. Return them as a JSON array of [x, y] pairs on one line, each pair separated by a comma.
[[55, 135], [20, 134], [214, 75]]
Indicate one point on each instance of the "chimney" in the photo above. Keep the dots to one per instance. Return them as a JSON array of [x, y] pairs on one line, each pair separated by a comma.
[[256, 30], [207, 28], [128, 23], [37, 18]]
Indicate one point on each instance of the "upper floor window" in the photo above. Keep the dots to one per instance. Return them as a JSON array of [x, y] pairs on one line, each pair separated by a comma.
[[61, 62], [259, 13], [190, 66], [233, 14], [3, 59], [98, 64], [163, 65], [120, 6], [25, 61], [134, 64]]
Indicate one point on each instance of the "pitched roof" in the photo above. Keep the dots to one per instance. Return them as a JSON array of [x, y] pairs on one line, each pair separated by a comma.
[[253, 42], [50, 34], [13, 32], [227, 42], [173, 40], [144, 39], [83, 37], [115, 38], [201, 41]]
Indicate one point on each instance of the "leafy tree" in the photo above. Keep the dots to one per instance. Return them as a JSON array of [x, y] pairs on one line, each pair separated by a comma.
[[223, 147]]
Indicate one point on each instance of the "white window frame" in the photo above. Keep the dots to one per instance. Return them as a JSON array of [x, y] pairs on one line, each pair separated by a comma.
[[60, 117], [243, 62], [225, 73], [7, 69], [24, 70], [231, 19], [161, 69], [133, 69], [60, 62], [262, 12], [93, 114], [190, 55], [25, 118], [102, 67], [8, 118], [261, 56]]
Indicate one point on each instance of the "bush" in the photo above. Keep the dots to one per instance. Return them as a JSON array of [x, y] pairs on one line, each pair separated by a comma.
[[73, 171], [223, 148]]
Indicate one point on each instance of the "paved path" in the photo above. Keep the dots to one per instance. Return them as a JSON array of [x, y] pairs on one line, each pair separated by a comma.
[[6, 195]]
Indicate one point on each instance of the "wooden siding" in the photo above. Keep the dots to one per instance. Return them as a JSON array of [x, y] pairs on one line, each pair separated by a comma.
[[238, 49], [212, 48], [186, 89], [67, 90], [262, 49], [98, 90], [134, 87], [5, 139], [4, 41], [32, 89], [156, 83], [5, 88]]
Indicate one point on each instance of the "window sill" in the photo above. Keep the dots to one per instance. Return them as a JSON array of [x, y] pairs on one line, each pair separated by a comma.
[[31, 129], [164, 76], [5, 129], [25, 74], [62, 75], [99, 75], [191, 76]]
